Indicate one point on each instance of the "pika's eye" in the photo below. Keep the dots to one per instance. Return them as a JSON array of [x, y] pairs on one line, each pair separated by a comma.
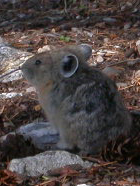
[[38, 62]]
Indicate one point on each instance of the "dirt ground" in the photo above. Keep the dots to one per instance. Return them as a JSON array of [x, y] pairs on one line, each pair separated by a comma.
[[112, 28]]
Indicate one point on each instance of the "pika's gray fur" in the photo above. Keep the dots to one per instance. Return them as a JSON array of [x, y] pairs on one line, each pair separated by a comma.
[[81, 102]]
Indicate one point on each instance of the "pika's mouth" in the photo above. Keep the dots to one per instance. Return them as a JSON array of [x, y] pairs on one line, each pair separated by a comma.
[[27, 73]]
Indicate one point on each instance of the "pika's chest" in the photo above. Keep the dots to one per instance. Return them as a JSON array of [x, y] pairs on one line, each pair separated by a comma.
[[51, 101]]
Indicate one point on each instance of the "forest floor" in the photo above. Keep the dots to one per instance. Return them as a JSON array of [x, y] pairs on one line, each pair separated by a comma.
[[113, 31]]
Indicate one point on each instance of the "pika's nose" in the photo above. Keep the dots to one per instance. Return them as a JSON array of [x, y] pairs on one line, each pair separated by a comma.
[[27, 71]]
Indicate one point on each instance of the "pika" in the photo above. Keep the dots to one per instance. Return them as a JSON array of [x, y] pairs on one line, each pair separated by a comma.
[[81, 102]]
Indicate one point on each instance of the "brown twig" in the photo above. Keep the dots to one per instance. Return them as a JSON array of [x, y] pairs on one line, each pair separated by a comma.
[[125, 61]]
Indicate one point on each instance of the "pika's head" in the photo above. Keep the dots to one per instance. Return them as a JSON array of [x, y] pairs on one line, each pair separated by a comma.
[[55, 65]]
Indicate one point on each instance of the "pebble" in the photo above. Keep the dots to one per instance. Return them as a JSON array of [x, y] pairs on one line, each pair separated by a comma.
[[109, 20], [99, 59], [127, 26], [106, 40], [9, 95], [137, 74], [40, 134], [85, 185], [138, 46], [121, 85], [74, 29], [30, 89], [44, 49], [89, 34], [78, 17]]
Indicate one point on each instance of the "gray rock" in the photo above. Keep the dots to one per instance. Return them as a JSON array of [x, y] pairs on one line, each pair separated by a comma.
[[123, 8], [55, 19], [89, 34], [109, 20], [44, 49], [8, 124], [5, 23], [85, 184], [129, 4], [41, 134], [11, 59], [137, 74], [121, 85], [10, 1], [75, 29], [127, 26], [9, 95], [99, 59], [30, 89], [42, 163], [78, 17], [106, 40], [138, 46]]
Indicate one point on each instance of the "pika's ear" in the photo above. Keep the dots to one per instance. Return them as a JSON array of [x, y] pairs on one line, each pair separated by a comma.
[[69, 65], [86, 50]]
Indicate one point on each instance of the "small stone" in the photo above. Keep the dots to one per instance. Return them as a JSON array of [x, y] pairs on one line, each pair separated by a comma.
[[78, 17], [90, 34], [109, 20], [44, 49], [55, 19], [129, 4], [137, 74], [74, 29], [101, 53], [5, 23], [30, 89], [9, 95], [132, 62], [85, 185], [1, 40], [138, 46], [123, 8], [8, 124], [10, 89], [109, 52], [121, 85], [127, 26], [95, 5], [66, 184], [135, 10], [106, 40], [99, 59], [137, 24], [116, 46], [22, 16], [130, 179]]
